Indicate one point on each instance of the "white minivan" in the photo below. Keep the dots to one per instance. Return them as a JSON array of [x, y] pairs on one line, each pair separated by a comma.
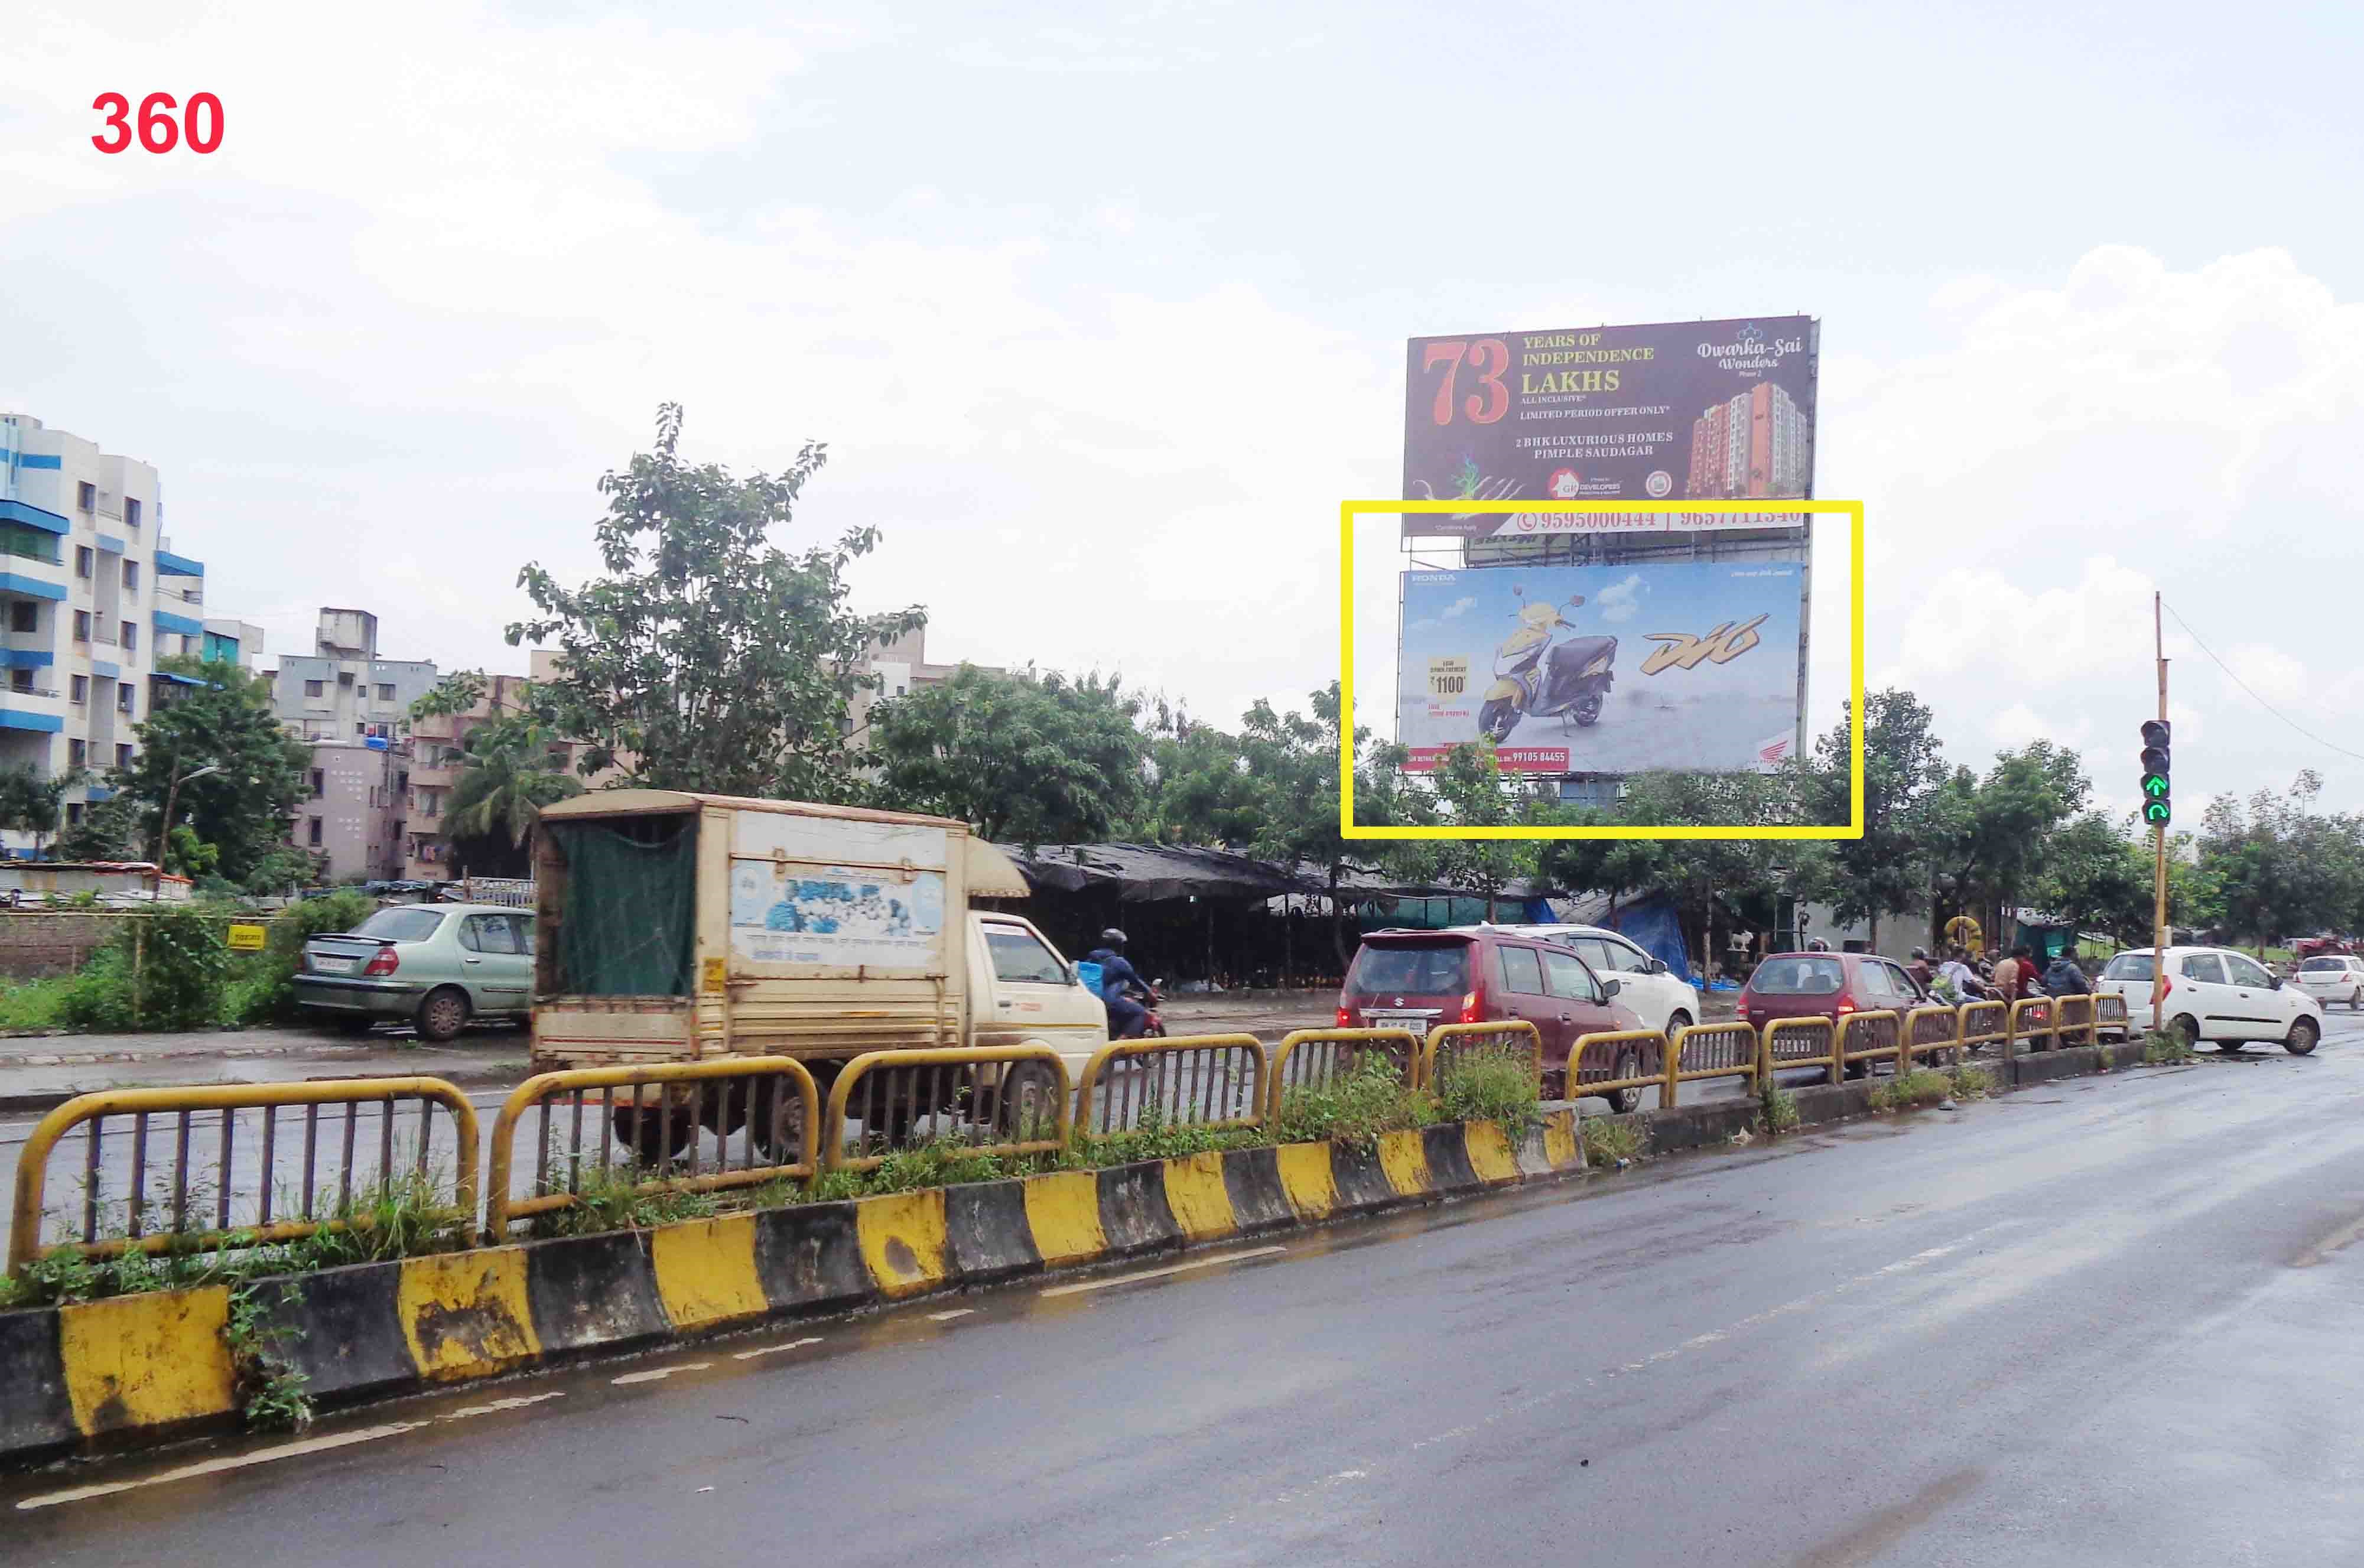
[[2219, 995], [1646, 985]]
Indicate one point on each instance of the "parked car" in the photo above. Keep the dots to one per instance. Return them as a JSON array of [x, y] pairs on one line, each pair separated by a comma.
[[1827, 985], [435, 966], [2219, 995], [1417, 980], [1646, 987], [2334, 977]]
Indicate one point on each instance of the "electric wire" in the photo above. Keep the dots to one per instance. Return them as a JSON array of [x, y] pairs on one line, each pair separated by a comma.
[[2253, 695]]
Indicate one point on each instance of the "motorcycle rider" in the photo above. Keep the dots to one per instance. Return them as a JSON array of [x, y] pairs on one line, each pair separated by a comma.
[[1127, 1018]]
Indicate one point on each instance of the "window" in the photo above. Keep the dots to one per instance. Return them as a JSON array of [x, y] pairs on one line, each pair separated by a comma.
[[124, 697], [1019, 956], [1815, 976], [123, 756], [490, 933], [1625, 958], [86, 496], [314, 839], [385, 691], [2204, 967], [84, 561], [79, 686], [82, 626], [2247, 972], [319, 784], [1571, 979], [130, 576], [2129, 966], [77, 753], [1441, 970], [131, 515], [21, 680], [2324, 967], [24, 615], [131, 636], [1522, 971], [73, 814], [315, 688], [411, 924], [430, 803]]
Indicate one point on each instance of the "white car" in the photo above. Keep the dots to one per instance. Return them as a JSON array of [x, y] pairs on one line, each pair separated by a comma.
[[2334, 977], [1644, 983], [2219, 995]]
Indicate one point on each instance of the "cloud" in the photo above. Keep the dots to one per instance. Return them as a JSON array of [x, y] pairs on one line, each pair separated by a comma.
[[1622, 600], [1459, 607]]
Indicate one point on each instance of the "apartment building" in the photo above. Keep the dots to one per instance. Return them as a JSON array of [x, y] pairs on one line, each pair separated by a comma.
[[93, 594], [343, 690], [1757, 444], [439, 753], [353, 814], [901, 665]]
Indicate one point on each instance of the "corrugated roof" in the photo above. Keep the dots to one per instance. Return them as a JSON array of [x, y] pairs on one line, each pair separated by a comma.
[[1147, 873]]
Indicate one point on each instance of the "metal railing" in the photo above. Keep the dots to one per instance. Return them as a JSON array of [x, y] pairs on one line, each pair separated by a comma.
[[2110, 1013], [1886, 1031], [1932, 1032], [240, 1203], [1982, 1023], [2039, 1009], [643, 1129], [2073, 1020], [1816, 1045], [1615, 1062], [1212, 1080], [1713, 1051], [1314, 1058], [989, 1099], [1448, 1043]]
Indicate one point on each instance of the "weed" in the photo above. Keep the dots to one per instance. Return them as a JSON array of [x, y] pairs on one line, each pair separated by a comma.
[[1971, 1082], [1496, 1085], [35, 1004], [620, 1197], [1610, 1140], [272, 1394], [1354, 1107], [1777, 1107], [2164, 1048], [1919, 1087]]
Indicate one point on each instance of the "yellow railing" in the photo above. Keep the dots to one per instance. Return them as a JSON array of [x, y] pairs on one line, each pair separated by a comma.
[[652, 1124], [1643, 1050], [1446, 1043], [2073, 1015], [1983, 1023], [1932, 1032], [1713, 1051], [2039, 1008], [1817, 1045], [1308, 1058], [215, 1200], [1887, 1031], [1192, 1079], [2110, 1013], [998, 1094]]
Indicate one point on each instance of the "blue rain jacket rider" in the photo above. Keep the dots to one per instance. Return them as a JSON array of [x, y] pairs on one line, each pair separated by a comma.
[[1118, 980]]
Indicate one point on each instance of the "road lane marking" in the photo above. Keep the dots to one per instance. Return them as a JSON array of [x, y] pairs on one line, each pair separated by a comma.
[[215, 1466], [517, 1401], [1160, 1274], [774, 1349], [658, 1374], [948, 1316]]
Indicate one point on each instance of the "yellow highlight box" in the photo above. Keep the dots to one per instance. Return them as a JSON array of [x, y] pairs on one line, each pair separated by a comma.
[[1349, 511]]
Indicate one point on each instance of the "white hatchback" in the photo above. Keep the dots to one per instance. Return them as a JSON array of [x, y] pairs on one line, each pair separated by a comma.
[[1645, 985], [2220, 996], [2333, 977]]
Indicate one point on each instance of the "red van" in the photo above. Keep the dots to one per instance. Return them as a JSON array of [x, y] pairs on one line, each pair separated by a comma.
[[1469, 974]]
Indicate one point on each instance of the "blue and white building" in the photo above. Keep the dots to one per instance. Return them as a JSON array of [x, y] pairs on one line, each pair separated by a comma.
[[90, 595]]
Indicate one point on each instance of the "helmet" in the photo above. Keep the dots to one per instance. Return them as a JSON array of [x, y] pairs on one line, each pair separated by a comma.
[[1113, 937], [1920, 955]]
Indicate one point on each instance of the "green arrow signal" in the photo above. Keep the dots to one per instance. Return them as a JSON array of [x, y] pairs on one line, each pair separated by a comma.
[[2155, 811], [2154, 785]]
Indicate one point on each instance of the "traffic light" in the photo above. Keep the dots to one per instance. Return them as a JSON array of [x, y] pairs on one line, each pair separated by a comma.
[[2156, 809]]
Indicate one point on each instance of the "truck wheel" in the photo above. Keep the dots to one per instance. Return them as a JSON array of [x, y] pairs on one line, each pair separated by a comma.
[[1028, 1100], [443, 1014], [655, 1140], [782, 1142]]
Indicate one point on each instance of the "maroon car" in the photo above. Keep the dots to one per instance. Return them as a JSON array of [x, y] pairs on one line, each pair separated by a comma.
[[1827, 985], [1470, 974]]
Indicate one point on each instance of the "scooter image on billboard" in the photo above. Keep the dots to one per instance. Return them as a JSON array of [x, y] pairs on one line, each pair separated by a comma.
[[1535, 676]]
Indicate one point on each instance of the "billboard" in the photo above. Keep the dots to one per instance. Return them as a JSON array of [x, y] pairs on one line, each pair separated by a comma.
[[1685, 665], [1700, 410]]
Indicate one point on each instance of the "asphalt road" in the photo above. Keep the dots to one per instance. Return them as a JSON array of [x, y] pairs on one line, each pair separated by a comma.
[[2102, 1321]]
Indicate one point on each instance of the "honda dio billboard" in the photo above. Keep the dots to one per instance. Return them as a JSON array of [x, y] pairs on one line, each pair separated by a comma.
[[1684, 665], [1700, 410]]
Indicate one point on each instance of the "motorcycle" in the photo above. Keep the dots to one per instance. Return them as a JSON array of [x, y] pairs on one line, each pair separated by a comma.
[[1533, 675], [1153, 1027]]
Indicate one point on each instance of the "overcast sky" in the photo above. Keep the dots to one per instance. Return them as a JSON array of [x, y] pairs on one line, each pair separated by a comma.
[[1102, 312]]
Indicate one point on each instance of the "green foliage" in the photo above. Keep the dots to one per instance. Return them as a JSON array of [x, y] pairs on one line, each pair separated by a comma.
[[1988, 837], [708, 658], [455, 694], [262, 989], [611, 1197], [1156, 1135], [1922, 1086], [34, 1004], [2098, 876], [29, 801], [98, 996], [272, 1394], [2165, 1048], [1493, 1084], [1777, 1107], [1023, 758], [1881, 872], [1470, 791], [1353, 1108], [225, 722], [513, 766], [2279, 867], [1971, 1083], [1613, 1141], [285, 867], [109, 830]]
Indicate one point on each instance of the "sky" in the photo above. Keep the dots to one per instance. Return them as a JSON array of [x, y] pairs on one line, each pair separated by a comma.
[[1102, 312]]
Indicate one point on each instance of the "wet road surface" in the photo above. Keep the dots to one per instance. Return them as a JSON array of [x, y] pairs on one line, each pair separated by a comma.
[[2101, 1321]]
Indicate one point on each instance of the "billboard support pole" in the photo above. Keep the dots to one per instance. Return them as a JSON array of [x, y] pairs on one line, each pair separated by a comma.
[[2159, 846]]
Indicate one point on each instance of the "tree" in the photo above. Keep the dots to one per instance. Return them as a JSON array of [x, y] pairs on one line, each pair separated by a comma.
[[110, 829], [1022, 759], [2097, 876], [224, 722], [2278, 868], [506, 778], [1988, 837], [1469, 790], [706, 658], [30, 803], [1903, 767]]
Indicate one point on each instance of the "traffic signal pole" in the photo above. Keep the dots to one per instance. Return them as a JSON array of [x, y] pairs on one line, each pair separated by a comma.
[[2159, 846]]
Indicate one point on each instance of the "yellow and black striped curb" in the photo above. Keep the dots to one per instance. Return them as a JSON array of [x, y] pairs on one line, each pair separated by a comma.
[[145, 1367]]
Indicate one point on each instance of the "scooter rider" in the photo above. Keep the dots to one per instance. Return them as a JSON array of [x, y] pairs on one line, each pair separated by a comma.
[[1117, 982]]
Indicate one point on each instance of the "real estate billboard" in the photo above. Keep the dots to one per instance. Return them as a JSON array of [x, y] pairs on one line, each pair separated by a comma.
[[1685, 665], [1700, 410]]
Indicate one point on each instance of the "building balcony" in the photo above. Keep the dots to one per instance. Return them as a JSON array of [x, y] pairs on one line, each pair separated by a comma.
[[434, 777]]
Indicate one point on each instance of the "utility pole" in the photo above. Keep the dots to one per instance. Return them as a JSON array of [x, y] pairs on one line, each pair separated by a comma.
[[2158, 842]]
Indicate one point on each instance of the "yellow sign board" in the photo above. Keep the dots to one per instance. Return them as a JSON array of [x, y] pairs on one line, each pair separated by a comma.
[[246, 938], [713, 975]]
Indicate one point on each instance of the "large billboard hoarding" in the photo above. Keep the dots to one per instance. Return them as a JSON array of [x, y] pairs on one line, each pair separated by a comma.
[[1700, 410], [1682, 665]]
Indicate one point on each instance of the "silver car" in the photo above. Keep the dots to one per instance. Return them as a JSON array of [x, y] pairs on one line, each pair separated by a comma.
[[433, 966]]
